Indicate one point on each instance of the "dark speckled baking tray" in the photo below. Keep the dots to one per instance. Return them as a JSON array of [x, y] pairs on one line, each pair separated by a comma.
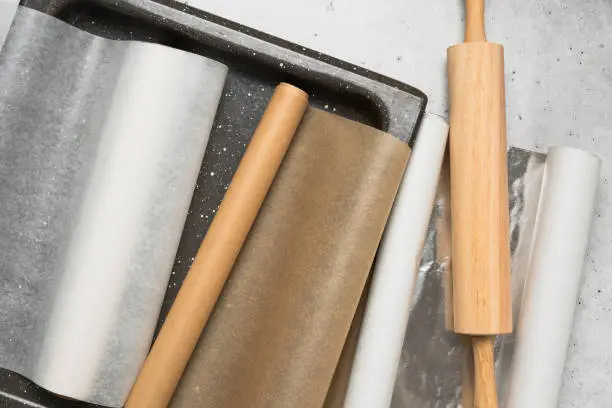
[[257, 63]]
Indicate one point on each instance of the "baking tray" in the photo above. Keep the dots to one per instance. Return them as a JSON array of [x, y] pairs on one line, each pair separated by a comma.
[[257, 62]]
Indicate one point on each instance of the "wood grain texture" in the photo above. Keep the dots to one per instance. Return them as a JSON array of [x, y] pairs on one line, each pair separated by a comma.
[[485, 392], [474, 21], [479, 190], [190, 311], [479, 199]]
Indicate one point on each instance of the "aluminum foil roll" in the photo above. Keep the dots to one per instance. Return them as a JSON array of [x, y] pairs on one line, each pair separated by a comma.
[[436, 363]]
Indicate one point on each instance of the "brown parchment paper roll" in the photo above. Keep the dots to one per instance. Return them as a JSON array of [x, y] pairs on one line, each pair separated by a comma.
[[278, 329], [339, 385]]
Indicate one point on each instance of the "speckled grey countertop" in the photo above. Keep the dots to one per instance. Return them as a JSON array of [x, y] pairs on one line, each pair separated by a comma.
[[559, 87]]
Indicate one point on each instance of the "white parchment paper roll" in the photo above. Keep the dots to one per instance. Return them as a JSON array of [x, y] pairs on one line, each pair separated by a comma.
[[560, 241], [7, 12], [101, 143], [388, 307]]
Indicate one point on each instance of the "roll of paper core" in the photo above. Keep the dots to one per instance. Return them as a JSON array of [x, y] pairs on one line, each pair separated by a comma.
[[563, 221], [202, 286]]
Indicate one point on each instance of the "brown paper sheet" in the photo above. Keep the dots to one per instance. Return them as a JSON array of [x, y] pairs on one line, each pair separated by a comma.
[[279, 328], [339, 385]]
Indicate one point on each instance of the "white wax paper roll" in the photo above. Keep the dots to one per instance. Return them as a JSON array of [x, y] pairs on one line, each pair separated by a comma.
[[101, 143], [379, 346], [7, 12], [563, 221]]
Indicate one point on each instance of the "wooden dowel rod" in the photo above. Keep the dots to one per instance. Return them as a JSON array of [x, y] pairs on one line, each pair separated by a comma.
[[474, 21], [193, 305], [485, 391]]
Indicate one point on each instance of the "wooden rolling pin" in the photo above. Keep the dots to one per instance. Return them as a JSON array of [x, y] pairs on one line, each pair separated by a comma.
[[192, 307], [479, 197]]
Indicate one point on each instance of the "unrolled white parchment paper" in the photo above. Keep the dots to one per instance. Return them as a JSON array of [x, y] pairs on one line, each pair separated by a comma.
[[101, 143]]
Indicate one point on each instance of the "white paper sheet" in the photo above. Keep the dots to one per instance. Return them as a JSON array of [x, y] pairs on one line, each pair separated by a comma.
[[101, 143], [7, 12]]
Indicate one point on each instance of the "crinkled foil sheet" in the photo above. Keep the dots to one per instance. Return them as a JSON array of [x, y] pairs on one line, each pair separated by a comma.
[[436, 365]]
